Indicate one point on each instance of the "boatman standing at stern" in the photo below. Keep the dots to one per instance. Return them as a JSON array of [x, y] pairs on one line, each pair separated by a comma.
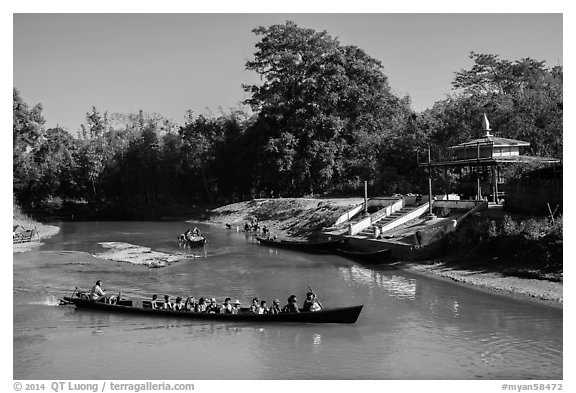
[[311, 304], [96, 293]]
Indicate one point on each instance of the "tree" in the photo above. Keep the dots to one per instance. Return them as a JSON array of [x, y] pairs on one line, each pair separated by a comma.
[[492, 75], [93, 153], [523, 99], [27, 133], [200, 137], [28, 124], [320, 106]]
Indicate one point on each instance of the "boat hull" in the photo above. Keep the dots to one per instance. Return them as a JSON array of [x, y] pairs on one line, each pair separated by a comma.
[[301, 246], [373, 257], [334, 315], [196, 243]]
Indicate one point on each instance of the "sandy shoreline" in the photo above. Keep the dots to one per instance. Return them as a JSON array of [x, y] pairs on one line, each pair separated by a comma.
[[140, 255], [288, 218], [529, 289]]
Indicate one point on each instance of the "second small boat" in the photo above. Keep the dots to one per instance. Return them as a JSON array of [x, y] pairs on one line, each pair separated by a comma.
[[298, 245], [374, 257]]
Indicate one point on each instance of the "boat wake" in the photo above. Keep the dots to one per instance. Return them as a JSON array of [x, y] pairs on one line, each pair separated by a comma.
[[76, 263], [48, 301]]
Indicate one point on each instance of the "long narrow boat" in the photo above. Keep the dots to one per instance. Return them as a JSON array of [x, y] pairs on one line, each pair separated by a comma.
[[301, 245], [378, 256], [333, 315]]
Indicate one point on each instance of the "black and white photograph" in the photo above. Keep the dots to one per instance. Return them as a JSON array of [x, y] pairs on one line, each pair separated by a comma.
[[287, 196]]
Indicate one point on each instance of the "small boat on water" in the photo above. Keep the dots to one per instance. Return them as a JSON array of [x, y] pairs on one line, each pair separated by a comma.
[[328, 315], [378, 256], [300, 245], [191, 241], [196, 241]]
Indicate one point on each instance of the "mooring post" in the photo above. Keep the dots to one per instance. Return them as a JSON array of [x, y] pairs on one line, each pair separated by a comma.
[[430, 214], [365, 197]]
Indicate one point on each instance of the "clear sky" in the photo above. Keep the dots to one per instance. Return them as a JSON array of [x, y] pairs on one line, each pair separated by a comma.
[[167, 63]]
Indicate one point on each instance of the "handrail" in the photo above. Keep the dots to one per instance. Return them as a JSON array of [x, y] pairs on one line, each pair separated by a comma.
[[414, 213], [354, 229], [349, 214]]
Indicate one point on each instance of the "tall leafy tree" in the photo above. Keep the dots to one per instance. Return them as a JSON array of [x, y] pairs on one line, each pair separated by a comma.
[[320, 106], [28, 135], [522, 98], [200, 137], [93, 153]]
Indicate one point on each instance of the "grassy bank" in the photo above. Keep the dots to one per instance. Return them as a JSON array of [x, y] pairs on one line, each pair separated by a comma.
[[520, 247]]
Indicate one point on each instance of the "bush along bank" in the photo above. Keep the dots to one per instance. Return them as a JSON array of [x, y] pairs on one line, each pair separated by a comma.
[[529, 248]]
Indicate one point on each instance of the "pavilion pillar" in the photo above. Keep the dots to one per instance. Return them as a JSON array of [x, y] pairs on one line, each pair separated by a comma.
[[478, 190], [496, 182], [493, 184]]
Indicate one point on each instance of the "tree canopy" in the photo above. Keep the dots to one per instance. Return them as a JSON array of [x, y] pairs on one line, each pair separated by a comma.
[[325, 109], [523, 99], [324, 120]]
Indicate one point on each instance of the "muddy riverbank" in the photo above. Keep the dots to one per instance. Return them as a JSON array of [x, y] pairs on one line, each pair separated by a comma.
[[301, 218], [298, 218]]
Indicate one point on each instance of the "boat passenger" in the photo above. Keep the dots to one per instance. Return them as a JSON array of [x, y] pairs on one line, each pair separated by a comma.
[[167, 303], [112, 299], [226, 307], [275, 309], [201, 306], [263, 309], [236, 308], [96, 293], [196, 232], [311, 304], [190, 304], [213, 306], [153, 303], [179, 306], [254, 307], [292, 305]]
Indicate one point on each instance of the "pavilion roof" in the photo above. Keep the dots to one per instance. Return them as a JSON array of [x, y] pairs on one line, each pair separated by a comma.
[[493, 140], [488, 161]]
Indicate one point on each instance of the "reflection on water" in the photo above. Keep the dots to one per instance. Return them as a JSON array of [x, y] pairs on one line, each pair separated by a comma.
[[411, 327], [394, 285]]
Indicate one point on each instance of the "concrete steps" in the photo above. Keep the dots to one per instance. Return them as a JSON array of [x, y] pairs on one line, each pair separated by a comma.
[[369, 232]]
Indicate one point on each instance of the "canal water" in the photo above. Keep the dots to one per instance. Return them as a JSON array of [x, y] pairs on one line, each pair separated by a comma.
[[411, 327]]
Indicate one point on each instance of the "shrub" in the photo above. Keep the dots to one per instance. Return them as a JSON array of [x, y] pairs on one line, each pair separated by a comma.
[[533, 244]]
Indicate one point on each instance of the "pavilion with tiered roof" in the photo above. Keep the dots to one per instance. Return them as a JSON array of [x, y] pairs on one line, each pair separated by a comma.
[[479, 159]]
